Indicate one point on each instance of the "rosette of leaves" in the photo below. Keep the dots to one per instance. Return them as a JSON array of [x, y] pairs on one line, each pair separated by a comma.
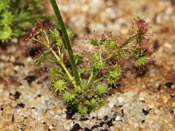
[[86, 93], [86, 96], [17, 16]]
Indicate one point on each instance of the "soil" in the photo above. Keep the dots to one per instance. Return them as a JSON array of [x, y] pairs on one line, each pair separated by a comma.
[[142, 102]]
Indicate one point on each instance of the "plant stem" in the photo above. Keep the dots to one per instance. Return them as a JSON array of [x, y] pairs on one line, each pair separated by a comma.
[[66, 41], [64, 67], [72, 80], [94, 73], [128, 41], [92, 77]]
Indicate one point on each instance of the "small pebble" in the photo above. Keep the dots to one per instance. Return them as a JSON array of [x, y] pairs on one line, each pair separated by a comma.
[[17, 95], [118, 118], [30, 79]]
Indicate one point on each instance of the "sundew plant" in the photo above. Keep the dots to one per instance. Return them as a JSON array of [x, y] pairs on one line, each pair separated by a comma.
[[85, 88]]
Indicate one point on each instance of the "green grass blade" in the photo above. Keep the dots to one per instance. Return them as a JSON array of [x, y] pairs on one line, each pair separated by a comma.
[[66, 40]]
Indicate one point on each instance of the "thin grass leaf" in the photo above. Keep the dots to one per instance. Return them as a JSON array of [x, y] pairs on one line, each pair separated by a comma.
[[66, 41]]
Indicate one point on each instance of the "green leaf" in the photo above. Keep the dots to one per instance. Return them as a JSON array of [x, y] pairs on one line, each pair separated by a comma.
[[68, 97], [78, 58], [121, 55], [4, 4], [82, 109], [7, 18], [59, 42], [54, 34], [100, 100], [78, 89], [101, 89], [54, 73], [94, 42], [114, 74], [5, 33], [70, 32], [97, 61], [110, 44], [93, 102], [59, 85], [140, 61]]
